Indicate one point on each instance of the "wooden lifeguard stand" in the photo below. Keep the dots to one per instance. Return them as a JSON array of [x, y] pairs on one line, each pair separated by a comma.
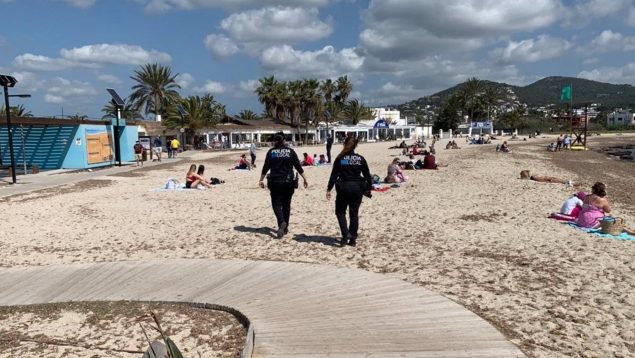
[[579, 126]]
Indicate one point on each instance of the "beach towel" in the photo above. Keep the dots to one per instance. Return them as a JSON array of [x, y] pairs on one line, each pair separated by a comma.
[[598, 232]]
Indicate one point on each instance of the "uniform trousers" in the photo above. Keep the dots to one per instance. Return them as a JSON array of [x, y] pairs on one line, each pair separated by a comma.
[[349, 196], [281, 195]]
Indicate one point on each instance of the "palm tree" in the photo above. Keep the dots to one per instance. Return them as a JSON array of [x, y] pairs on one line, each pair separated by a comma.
[[267, 94], [471, 91], [128, 111], [78, 117], [248, 115], [310, 100], [200, 112], [156, 88], [344, 88], [491, 97], [327, 88], [16, 111], [357, 111]]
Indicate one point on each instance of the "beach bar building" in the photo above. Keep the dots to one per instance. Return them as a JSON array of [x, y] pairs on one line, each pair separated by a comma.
[[233, 132], [64, 143]]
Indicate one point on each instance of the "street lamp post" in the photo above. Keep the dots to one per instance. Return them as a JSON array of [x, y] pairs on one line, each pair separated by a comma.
[[6, 82], [119, 104]]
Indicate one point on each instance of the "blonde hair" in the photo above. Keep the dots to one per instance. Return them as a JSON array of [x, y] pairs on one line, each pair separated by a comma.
[[525, 174], [192, 169]]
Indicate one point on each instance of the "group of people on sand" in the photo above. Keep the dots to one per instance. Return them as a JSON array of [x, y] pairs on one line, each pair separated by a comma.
[[586, 210], [310, 161], [195, 178], [452, 145]]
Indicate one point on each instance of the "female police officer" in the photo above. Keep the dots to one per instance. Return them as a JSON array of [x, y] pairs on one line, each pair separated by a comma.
[[281, 182], [351, 186]]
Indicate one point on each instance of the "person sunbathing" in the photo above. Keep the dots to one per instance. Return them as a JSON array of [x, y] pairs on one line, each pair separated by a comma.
[[505, 148], [193, 179], [526, 174]]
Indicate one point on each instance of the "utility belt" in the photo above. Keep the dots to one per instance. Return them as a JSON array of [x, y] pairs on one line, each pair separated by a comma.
[[289, 180], [353, 184]]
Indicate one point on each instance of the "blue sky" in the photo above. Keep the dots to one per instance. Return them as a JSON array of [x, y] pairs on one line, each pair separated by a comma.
[[66, 52]]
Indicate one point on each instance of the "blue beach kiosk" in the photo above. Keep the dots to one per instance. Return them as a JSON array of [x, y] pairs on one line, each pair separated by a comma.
[[66, 144]]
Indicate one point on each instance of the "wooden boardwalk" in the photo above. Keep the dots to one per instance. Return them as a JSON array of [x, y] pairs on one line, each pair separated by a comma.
[[295, 309]]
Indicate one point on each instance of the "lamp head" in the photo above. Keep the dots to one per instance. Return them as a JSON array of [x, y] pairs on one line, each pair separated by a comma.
[[7, 81]]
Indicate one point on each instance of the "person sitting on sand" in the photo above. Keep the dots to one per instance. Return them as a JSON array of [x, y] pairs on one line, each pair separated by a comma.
[[455, 146], [395, 175], [307, 160], [316, 161], [430, 162], [595, 207], [243, 164], [505, 148], [449, 145], [193, 180], [322, 159], [551, 147], [416, 150], [573, 205], [526, 174]]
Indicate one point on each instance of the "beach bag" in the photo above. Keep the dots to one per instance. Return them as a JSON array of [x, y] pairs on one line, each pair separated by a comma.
[[170, 184], [612, 226]]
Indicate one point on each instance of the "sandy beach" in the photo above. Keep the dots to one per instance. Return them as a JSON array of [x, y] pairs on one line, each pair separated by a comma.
[[472, 231]]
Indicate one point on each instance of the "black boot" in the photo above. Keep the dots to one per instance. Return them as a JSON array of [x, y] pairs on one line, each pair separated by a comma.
[[345, 240], [282, 230], [352, 241]]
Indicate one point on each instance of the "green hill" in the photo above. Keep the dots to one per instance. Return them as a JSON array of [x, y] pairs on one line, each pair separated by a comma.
[[545, 92]]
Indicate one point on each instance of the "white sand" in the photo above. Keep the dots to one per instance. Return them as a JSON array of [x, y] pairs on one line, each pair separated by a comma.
[[471, 231]]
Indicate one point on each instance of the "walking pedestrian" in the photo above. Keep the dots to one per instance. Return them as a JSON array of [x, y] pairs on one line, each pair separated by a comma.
[[168, 146], [281, 180], [352, 180], [158, 147], [252, 153], [559, 143], [329, 145], [175, 147], [138, 153]]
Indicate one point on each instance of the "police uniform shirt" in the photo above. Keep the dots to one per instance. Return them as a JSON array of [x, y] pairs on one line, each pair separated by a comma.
[[281, 162], [350, 167]]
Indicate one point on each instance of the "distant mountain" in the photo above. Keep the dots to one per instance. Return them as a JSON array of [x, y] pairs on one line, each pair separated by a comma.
[[545, 92]]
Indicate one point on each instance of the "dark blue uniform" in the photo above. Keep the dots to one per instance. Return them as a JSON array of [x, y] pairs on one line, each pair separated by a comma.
[[351, 178], [281, 184]]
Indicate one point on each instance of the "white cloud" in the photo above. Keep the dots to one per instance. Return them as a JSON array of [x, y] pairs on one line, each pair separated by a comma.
[[608, 40], [212, 87], [109, 79], [120, 54], [166, 5], [49, 98], [249, 85], [620, 75], [414, 29], [532, 50], [81, 3], [90, 56], [33, 62], [276, 25], [327, 62], [583, 12], [62, 90], [28, 81], [184, 80], [220, 45]]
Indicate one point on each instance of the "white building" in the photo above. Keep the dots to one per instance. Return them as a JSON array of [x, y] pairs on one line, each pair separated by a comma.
[[391, 116], [620, 118]]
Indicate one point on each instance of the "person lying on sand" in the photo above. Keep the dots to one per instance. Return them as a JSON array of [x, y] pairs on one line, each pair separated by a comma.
[[526, 174]]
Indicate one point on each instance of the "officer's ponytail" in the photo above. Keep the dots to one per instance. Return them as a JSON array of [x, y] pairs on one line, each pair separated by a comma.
[[349, 145]]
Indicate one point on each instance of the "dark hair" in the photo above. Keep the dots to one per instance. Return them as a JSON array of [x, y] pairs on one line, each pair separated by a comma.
[[305, 154], [599, 189], [349, 145], [278, 139], [201, 169]]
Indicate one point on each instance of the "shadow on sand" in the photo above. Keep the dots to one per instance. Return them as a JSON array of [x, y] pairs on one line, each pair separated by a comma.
[[325, 240], [257, 230]]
